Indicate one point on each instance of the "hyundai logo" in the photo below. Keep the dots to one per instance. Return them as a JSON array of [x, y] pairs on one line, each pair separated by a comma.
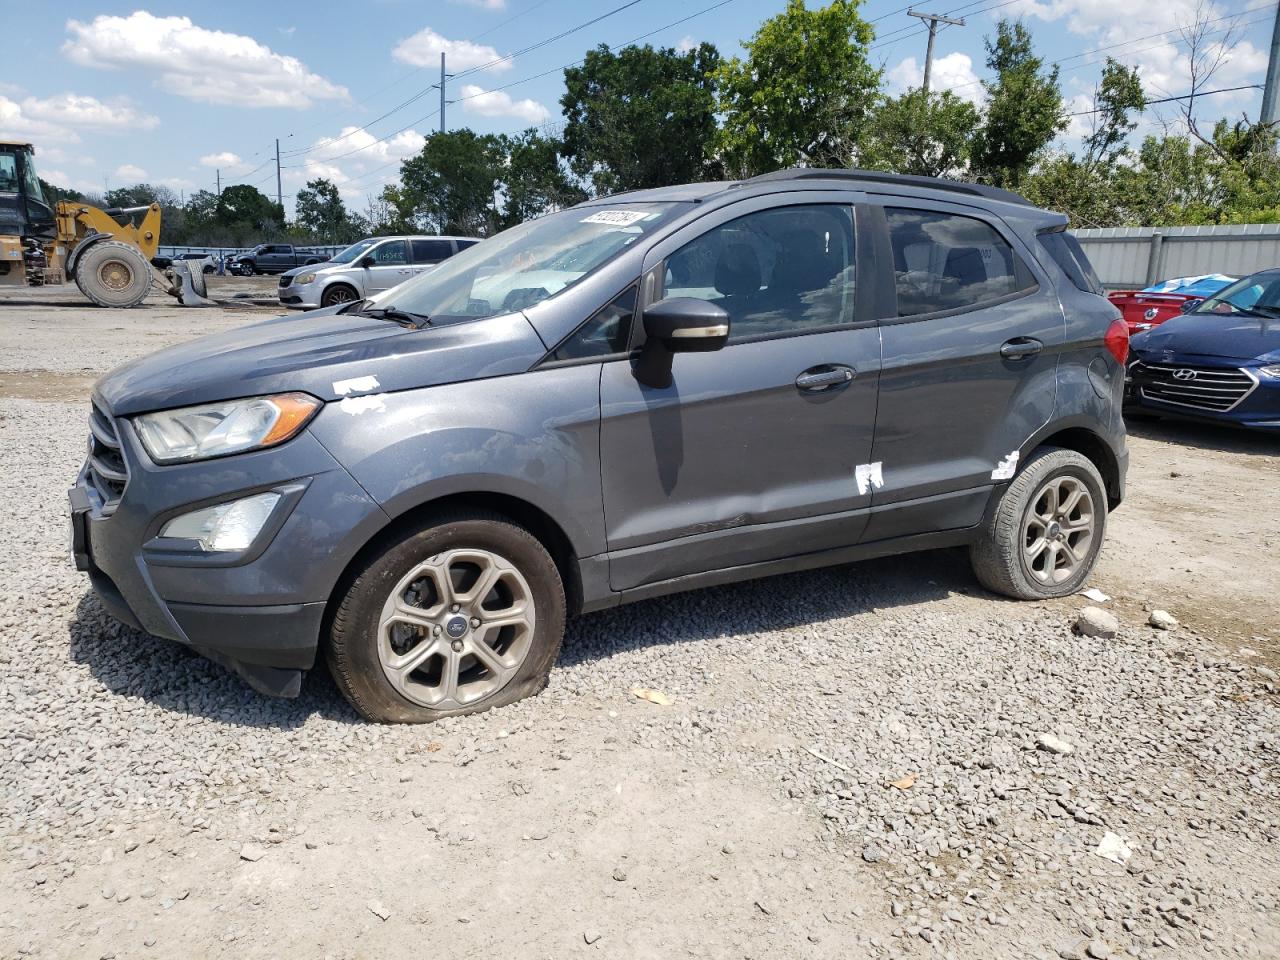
[[1184, 374]]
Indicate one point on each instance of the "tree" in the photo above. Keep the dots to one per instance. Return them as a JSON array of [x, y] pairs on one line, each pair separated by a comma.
[[53, 193], [803, 94], [319, 211], [929, 134], [1024, 108], [1117, 96], [640, 117], [449, 186], [534, 180]]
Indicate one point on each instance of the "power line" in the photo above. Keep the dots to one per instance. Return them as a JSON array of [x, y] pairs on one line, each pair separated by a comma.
[[1185, 96]]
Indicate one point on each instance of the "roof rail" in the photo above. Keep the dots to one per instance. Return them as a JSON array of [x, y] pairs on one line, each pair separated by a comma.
[[894, 179]]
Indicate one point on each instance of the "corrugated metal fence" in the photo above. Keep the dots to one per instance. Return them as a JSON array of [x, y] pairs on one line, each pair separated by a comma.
[[1129, 258]]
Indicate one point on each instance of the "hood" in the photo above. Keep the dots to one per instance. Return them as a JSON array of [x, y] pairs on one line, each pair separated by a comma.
[[314, 267], [1209, 335], [316, 352]]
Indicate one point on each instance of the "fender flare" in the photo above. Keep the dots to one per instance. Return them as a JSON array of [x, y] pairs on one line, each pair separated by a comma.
[[78, 251]]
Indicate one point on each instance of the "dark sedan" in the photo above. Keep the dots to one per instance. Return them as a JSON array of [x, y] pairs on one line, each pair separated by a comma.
[[1219, 361]]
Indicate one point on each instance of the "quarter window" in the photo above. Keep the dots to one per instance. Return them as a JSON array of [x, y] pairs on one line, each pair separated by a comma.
[[390, 254], [942, 261], [780, 271], [605, 333], [431, 251]]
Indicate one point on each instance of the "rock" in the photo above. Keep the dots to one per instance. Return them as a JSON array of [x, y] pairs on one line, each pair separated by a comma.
[[252, 852], [1097, 950], [1162, 620], [378, 910], [1266, 673], [872, 854], [1096, 622], [1047, 741], [1114, 848], [1072, 950], [131, 846], [619, 874], [591, 936]]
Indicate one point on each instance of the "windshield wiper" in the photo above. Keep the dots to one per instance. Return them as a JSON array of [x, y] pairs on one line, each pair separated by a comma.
[[415, 320]]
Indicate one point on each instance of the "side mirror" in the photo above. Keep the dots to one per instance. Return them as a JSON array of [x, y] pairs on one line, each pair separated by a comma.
[[1189, 305], [367, 261], [687, 325]]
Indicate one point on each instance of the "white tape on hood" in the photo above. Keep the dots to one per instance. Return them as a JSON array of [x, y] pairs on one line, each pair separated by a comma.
[[868, 476], [355, 385], [358, 405]]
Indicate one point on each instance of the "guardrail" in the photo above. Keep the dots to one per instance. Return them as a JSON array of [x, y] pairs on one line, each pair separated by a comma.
[[171, 251]]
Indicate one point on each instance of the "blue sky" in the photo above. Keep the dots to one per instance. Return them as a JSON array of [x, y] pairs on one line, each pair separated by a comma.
[[116, 93]]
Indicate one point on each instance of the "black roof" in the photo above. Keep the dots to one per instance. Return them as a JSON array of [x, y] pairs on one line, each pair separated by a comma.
[[895, 179]]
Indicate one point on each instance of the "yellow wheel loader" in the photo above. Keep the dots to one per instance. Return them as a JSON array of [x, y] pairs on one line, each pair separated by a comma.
[[109, 260]]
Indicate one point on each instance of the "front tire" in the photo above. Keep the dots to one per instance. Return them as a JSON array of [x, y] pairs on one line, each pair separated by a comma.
[[1044, 535], [113, 274], [464, 614], [338, 293]]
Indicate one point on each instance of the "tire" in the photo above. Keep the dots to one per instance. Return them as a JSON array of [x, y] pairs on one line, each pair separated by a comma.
[[434, 655], [248, 268], [113, 274], [208, 269], [1030, 558], [338, 293]]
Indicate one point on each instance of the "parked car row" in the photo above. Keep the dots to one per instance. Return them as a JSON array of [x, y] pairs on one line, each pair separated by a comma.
[[366, 268], [273, 258]]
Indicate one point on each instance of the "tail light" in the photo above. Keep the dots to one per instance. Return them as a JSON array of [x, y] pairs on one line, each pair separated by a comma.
[[1117, 341]]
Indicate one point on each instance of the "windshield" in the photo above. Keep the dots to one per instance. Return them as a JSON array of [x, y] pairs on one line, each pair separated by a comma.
[[1256, 295], [528, 263], [352, 252]]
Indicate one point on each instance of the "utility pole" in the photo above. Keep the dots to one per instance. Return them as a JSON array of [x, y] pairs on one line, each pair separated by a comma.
[[933, 19], [279, 189], [219, 181], [1271, 93], [443, 78]]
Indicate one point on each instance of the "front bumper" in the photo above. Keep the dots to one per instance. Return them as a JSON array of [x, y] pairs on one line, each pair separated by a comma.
[[300, 297], [258, 612], [1257, 409]]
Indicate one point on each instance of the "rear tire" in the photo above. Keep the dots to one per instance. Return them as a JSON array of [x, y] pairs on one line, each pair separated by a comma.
[[113, 274], [1044, 535], [461, 615], [338, 293]]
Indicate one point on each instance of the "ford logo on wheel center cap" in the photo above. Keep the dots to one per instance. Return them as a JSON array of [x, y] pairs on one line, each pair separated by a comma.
[[456, 627]]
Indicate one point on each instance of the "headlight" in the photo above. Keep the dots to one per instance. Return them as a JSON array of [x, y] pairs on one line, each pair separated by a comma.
[[304, 278], [1271, 371], [217, 429], [225, 526]]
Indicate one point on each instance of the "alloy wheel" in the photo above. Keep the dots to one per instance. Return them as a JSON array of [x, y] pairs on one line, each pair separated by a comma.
[[1058, 530]]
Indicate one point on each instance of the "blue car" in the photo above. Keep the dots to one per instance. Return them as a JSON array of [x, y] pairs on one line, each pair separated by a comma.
[[1219, 361]]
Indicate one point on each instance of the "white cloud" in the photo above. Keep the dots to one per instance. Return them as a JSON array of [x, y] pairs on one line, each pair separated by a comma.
[[226, 161], [60, 118], [686, 44], [207, 65], [127, 171], [953, 72], [423, 49], [497, 103], [355, 162]]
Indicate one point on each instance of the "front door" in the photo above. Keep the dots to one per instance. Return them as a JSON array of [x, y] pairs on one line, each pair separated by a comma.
[[971, 339], [390, 267], [760, 450]]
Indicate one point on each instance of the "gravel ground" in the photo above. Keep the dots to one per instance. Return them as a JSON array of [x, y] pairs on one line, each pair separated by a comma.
[[877, 760]]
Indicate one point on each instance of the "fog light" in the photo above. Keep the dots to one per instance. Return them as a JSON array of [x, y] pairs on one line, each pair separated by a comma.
[[225, 526]]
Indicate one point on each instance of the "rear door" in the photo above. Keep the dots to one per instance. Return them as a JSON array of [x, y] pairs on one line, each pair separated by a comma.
[[753, 452], [971, 334], [390, 266], [429, 252]]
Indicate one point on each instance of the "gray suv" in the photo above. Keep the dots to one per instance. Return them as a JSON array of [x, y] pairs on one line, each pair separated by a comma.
[[652, 392], [366, 267]]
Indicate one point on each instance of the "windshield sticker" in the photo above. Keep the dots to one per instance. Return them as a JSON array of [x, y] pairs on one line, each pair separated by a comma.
[[616, 218], [355, 385]]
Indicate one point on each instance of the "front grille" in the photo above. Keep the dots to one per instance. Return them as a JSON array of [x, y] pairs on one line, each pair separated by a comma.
[[1216, 389], [107, 473]]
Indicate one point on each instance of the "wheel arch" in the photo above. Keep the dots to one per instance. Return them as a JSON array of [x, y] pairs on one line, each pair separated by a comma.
[[1090, 444], [521, 512], [338, 283]]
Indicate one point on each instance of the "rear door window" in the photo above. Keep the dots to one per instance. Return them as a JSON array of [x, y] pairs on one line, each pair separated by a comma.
[[1070, 256], [431, 251], [946, 261]]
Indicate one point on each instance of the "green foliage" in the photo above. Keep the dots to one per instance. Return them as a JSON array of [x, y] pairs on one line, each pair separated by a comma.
[[928, 134], [802, 95], [320, 212], [449, 186], [1117, 98], [534, 180], [1024, 108], [53, 193], [640, 117]]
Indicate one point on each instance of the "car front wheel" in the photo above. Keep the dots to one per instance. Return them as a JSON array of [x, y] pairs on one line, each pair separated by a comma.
[[465, 614], [1044, 535]]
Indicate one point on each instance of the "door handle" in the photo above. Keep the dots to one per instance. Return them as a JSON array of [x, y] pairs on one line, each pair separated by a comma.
[[825, 377], [1020, 348]]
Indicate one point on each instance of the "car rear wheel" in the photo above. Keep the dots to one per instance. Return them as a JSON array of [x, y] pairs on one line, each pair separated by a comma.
[[336, 294], [1043, 538], [465, 614]]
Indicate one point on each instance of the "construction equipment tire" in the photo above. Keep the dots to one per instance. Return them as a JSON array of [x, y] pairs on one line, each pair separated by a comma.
[[113, 274]]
